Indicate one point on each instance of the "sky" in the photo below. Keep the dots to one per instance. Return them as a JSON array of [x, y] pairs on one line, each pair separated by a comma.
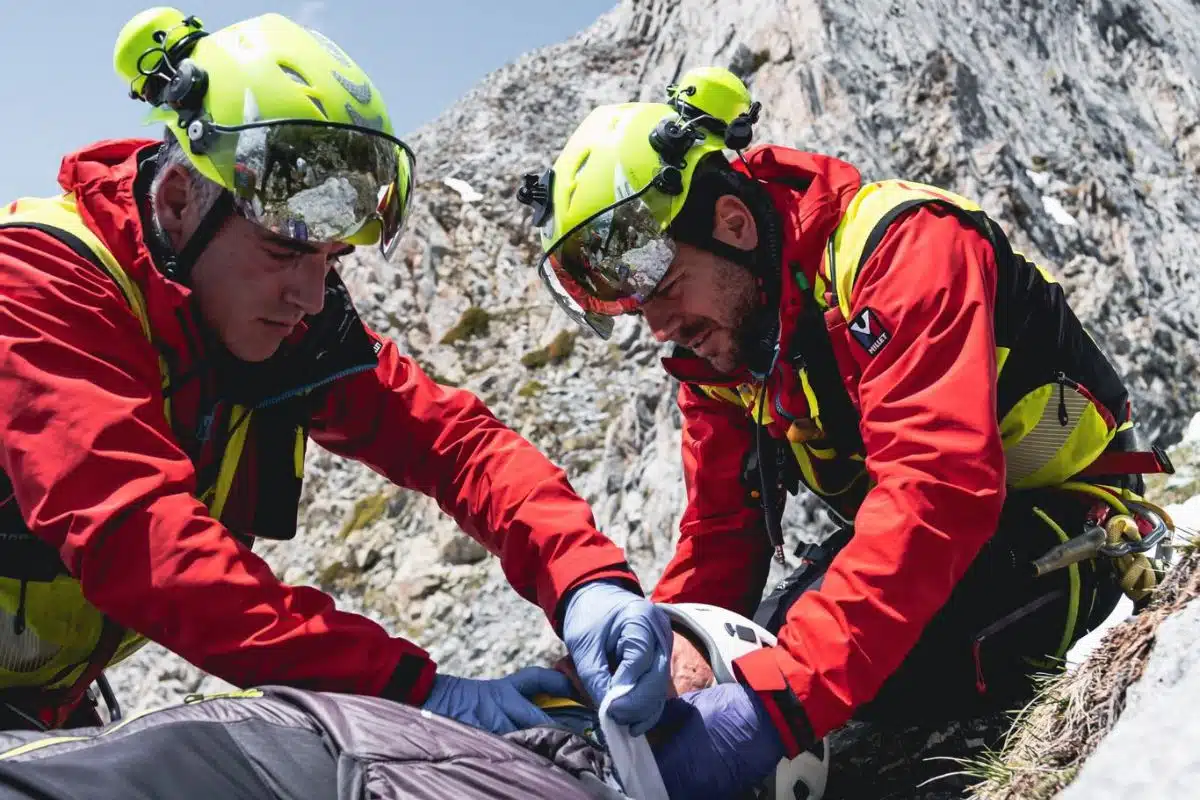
[[59, 91]]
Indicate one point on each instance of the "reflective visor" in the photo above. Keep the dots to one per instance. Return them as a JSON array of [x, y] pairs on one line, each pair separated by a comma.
[[319, 182], [609, 264]]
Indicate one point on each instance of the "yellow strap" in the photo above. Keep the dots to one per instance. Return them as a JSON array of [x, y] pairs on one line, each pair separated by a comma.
[[551, 702], [239, 424], [40, 744], [1104, 495], [298, 455], [756, 399], [814, 405], [723, 393], [62, 212], [1073, 577], [870, 205], [1002, 354]]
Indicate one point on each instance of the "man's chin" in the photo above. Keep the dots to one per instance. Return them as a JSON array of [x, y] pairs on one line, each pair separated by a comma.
[[254, 352], [724, 363]]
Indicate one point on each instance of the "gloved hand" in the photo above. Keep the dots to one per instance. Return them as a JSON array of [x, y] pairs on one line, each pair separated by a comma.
[[499, 705], [716, 742], [606, 623]]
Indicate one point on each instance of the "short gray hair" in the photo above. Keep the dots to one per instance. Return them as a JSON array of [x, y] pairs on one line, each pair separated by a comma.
[[205, 189]]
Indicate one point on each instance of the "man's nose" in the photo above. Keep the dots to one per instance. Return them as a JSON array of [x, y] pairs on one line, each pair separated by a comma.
[[307, 291]]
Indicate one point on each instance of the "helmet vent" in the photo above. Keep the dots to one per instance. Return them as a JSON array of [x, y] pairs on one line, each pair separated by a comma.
[[578, 169], [320, 107], [335, 52], [374, 123], [294, 75]]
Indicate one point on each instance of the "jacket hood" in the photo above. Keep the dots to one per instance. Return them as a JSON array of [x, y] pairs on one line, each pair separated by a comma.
[[96, 162], [105, 181]]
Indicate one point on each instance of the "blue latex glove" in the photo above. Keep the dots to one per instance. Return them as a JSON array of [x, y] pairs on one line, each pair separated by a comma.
[[499, 705], [716, 742], [605, 623]]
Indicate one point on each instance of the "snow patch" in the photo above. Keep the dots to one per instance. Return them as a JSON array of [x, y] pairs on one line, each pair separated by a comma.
[[464, 189], [1056, 211]]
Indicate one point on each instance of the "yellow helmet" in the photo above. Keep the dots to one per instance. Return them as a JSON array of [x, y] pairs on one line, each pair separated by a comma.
[[624, 175], [280, 116]]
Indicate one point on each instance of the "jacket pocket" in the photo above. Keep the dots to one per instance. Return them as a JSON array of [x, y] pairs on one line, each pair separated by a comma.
[[1053, 432]]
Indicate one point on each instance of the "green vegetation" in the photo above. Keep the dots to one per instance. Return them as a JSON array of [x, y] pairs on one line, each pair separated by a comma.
[[366, 511], [555, 352], [531, 389], [473, 322]]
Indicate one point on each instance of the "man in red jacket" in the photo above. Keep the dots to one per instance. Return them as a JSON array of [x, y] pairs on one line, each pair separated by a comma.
[[172, 332], [881, 345]]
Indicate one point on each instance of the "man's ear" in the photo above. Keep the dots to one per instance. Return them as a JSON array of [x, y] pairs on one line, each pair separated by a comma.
[[733, 223], [171, 202]]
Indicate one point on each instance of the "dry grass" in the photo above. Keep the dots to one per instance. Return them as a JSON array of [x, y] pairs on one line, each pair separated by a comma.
[[1053, 736]]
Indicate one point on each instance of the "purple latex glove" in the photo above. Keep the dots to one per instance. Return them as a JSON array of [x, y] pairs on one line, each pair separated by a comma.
[[499, 705], [607, 624], [716, 743]]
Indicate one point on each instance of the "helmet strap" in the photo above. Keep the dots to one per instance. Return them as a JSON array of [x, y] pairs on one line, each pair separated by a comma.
[[178, 266], [761, 333]]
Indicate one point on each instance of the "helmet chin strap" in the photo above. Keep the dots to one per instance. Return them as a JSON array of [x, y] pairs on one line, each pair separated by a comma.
[[760, 334], [178, 266]]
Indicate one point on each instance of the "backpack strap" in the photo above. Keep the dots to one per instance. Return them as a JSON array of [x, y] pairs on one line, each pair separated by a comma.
[[811, 349]]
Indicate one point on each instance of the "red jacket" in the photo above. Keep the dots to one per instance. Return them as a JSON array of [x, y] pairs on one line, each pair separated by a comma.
[[927, 402], [98, 473]]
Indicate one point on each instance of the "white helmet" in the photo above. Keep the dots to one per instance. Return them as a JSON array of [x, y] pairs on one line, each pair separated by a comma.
[[727, 636]]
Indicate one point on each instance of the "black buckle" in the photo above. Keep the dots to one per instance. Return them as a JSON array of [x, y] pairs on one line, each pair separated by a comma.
[[536, 191], [810, 553], [1164, 460]]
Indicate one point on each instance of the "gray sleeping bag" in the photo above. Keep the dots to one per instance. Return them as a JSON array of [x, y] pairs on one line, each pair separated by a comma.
[[290, 744]]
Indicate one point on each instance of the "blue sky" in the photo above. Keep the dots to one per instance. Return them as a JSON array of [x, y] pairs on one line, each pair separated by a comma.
[[59, 91]]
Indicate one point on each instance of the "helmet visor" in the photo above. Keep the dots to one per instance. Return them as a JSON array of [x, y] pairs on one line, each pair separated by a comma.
[[320, 182], [610, 263]]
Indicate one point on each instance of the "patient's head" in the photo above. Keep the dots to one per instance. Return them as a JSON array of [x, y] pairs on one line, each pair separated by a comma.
[[690, 669]]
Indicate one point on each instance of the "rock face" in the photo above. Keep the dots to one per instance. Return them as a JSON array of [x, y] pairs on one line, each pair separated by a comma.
[[1074, 123], [1162, 700]]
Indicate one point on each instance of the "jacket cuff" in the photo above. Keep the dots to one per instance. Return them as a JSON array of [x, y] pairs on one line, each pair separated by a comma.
[[411, 680], [572, 571], [759, 671]]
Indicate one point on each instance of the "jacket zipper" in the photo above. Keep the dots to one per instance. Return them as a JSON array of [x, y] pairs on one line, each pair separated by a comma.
[[290, 393], [832, 271], [1064, 418], [999, 625], [19, 619]]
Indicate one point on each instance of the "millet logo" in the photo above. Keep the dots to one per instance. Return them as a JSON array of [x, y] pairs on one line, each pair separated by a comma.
[[869, 331]]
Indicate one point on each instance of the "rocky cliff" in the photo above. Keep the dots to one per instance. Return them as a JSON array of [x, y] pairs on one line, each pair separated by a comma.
[[1074, 123]]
